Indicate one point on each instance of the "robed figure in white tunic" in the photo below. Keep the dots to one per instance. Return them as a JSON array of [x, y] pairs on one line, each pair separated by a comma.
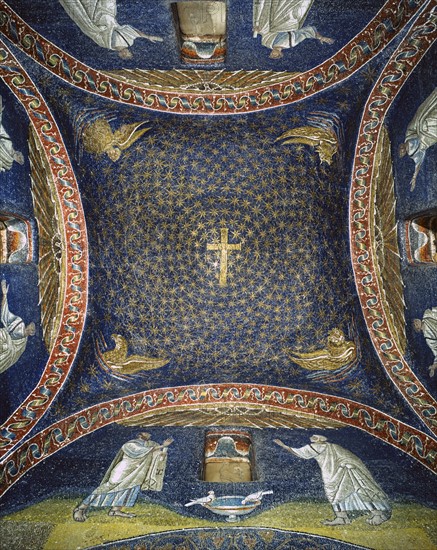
[[281, 24], [428, 326], [349, 486], [13, 334], [98, 20], [139, 465], [8, 155], [421, 134]]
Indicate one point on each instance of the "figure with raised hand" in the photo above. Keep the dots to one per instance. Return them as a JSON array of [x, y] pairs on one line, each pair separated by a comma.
[[349, 486]]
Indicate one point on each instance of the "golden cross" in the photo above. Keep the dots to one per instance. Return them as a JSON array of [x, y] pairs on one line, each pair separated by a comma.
[[224, 247]]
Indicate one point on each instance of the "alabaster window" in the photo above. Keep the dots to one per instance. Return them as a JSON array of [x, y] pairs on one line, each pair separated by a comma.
[[201, 26], [229, 457], [421, 232], [15, 239]]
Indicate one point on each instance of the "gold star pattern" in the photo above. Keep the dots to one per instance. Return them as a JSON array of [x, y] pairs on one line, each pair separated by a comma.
[[156, 282]]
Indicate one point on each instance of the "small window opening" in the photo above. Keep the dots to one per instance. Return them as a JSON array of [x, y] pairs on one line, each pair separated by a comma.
[[202, 31], [229, 457], [422, 239], [15, 241]]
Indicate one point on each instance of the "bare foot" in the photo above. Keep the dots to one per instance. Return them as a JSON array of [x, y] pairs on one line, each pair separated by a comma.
[[125, 53], [276, 53], [151, 37], [337, 521], [18, 157], [377, 518], [324, 39], [79, 514], [120, 514], [155, 38]]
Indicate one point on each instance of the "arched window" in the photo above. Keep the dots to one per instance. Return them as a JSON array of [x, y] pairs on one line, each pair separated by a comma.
[[201, 26], [15, 241], [229, 457], [421, 232]]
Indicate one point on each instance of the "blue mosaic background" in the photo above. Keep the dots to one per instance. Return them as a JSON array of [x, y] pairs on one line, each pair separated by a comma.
[[150, 217], [48, 18], [76, 470]]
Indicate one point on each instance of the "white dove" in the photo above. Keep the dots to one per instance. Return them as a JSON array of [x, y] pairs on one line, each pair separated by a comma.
[[256, 496], [203, 500]]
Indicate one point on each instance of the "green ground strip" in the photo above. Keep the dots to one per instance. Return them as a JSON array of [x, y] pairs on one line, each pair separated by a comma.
[[49, 525]]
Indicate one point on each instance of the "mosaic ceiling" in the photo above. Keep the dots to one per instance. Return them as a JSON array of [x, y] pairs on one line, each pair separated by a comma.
[[204, 223]]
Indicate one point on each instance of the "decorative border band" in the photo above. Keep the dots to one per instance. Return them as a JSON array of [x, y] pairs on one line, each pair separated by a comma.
[[76, 270], [385, 26], [50, 440], [417, 42]]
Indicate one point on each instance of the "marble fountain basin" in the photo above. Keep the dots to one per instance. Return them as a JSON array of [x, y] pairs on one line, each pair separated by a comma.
[[232, 507]]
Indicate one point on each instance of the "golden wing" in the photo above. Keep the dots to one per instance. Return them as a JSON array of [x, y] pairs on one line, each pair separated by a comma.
[[384, 239], [137, 363], [128, 134], [118, 360], [97, 136], [51, 241], [323, 359], [324, 140], [304, 140], [310, 133], [312, 360]]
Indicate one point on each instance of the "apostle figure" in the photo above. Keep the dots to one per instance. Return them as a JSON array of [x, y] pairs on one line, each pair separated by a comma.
[[428, 325], [97, 19], [349, 486], [7, 152], [421, 134], [280, 24], [13, 334], [139, 465]]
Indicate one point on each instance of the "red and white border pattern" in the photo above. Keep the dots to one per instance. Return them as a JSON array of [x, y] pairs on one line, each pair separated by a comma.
[[410, 440], [50, 440], [383, 28], [76, 261], [409, 53]]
